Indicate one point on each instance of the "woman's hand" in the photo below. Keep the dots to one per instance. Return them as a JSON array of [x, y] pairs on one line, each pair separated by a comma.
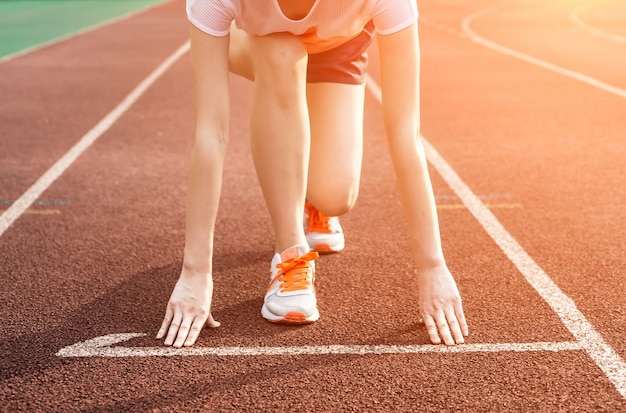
[[440, 306], [188, 310]]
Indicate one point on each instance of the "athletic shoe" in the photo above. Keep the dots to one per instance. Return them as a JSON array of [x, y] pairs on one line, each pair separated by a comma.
[[323, 233], [290, 297]]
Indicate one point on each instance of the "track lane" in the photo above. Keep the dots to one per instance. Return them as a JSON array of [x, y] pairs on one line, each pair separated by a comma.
[[129, 240], [565, 160], [63, 80]]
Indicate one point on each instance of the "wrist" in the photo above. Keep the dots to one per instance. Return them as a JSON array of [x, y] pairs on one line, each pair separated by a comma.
[[428, 258], [197, 257], [430, 267], [197, 267]]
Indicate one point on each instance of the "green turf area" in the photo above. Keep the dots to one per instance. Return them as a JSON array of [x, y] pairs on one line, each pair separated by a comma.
[[28, 23]]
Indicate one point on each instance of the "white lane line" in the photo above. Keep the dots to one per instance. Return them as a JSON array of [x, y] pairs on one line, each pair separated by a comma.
[[598, 349], [25, 201], [77, 33], [490, 206], [575, 17], [605, 357], [101, 347], [533, 60]]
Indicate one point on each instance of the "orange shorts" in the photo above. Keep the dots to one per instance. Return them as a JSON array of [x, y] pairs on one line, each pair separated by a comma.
[[344, 64]]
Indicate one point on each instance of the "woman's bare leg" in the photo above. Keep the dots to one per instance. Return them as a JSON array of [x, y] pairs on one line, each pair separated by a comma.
[[240, 59], [280, 132], [336, 114], [336, 118]]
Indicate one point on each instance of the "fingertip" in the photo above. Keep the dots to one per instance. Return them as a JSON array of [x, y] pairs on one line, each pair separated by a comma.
[[162, 332], [164, 328], [434, 336], [212, 323], [171, 337], [450, 342], [435, 340], [192, 337], [457, 338]]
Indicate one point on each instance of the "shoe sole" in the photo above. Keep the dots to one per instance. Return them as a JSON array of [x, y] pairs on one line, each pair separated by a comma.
[[324, 248], [292, 317]]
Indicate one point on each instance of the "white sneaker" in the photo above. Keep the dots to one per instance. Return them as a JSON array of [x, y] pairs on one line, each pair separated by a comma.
[[323, 233], [290, 297]]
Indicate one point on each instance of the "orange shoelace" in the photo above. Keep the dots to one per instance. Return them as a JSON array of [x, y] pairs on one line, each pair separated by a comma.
[[317, 222], [293, 273]]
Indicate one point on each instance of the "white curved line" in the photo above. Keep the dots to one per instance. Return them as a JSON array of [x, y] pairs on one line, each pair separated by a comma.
[[533, 60], [575, 18]]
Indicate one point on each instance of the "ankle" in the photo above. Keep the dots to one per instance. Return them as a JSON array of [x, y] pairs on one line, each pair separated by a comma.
[[283, 246]]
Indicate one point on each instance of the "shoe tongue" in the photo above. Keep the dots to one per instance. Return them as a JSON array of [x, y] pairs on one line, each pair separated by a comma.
[[293, 252]]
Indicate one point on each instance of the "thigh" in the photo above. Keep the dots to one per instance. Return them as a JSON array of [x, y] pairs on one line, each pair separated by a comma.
[[280, 62], [252, 56], [240, 61], [336, 116]]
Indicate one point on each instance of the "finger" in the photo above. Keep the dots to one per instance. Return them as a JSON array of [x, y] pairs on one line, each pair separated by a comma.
[[460, 316], [196, 327], [166, 322], [173, 330], [194, 331], [454, 326], [183, 330], [212, 323], [444, 330], [431, 327]]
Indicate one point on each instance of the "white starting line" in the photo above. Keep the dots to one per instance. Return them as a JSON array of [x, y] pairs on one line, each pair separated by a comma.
[[102, 347]]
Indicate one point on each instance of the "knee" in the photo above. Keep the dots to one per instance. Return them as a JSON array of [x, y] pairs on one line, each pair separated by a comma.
[[333, 200], [281, 60]]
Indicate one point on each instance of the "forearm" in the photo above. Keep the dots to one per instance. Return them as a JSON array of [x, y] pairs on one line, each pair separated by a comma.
[[204, 188], [210, 68], [401, 112], [416, 195]]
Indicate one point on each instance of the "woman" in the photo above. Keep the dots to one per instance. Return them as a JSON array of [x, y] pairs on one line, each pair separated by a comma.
[[307, 59]]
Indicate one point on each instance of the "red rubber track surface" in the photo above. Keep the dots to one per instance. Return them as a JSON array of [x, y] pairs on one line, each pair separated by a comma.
[[102, 250]]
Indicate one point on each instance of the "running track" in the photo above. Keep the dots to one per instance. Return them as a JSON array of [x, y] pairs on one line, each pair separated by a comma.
[[524, 105]]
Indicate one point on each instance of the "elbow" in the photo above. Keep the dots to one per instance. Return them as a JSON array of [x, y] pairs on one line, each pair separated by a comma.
[[407, 151], [403, 138]]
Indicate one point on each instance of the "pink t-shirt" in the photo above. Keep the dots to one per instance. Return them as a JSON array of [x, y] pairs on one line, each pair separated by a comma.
[[329, 24]]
